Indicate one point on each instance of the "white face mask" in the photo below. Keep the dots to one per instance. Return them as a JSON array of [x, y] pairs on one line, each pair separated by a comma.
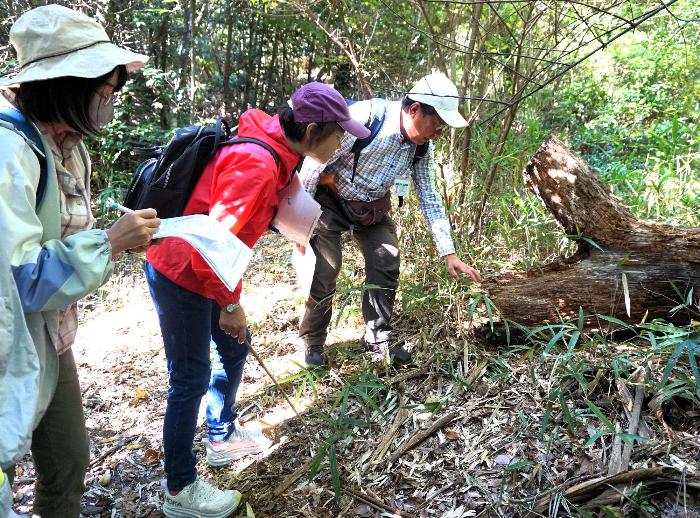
[[101, 111]]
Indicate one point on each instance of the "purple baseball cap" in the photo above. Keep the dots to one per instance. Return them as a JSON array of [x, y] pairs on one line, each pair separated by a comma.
[[318, 102]]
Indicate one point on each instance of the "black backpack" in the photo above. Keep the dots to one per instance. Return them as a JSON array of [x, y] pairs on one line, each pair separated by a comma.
[[374, 124], [23, 126], [166, 179]]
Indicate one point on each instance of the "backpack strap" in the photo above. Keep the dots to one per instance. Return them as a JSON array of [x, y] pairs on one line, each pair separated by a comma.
[[421, 151], [275, 156], [27, 129], [221, 128], [242, 140], [374, 124]]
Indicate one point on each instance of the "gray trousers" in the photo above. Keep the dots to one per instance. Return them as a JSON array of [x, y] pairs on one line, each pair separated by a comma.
[[60, 448], [380, 248]]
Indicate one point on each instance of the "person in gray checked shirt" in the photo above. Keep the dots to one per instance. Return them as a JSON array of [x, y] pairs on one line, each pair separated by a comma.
[[354, 187]]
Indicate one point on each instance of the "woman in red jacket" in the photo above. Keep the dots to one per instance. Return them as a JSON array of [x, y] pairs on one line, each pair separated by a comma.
[[238, 187]]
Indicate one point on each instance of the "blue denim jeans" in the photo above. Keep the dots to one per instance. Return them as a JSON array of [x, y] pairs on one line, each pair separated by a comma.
[[189, 324]]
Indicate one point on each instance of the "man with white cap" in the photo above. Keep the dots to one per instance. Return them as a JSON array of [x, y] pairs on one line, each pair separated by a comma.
[[354, 187]]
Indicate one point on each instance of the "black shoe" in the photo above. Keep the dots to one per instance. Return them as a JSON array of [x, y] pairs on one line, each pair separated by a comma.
[[396, 353], [314, 356], [400, 355]]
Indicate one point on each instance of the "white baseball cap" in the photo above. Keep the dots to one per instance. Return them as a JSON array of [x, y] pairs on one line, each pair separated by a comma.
[[54, 41], [439, 92]]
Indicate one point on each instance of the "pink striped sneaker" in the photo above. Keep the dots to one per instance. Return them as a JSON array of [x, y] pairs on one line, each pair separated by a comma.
[[240, 443]]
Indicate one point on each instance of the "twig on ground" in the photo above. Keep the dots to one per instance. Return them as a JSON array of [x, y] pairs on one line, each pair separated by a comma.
[[376, 503], [557, 489], [633, 426], [20, 481], [293, 477], [423, 434], [591, 488], [476, 371], [401, 416], [107, 453], [415, 373], [628, 405], [616, 452]]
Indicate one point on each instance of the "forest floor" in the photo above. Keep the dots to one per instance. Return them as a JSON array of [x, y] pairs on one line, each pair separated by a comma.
[[479, 409]]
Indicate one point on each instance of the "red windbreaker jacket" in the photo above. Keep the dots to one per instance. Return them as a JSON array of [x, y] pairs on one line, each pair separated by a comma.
[[239, 188]]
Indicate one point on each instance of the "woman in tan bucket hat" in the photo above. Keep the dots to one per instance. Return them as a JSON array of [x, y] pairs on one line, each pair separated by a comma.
[[69, 72]]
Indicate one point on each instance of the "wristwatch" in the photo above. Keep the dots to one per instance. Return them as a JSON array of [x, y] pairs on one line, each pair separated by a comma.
[[230, 308]]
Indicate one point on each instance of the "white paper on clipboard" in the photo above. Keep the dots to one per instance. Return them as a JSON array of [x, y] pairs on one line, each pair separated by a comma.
[[226, 255], [297, 213]]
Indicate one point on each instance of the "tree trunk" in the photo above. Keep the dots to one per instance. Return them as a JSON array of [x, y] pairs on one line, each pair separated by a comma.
[[250, 63], [193, 64], [651, 265], [437, 51], [501, 140], [345, 48], [166, 110], [110, 18], [227, 105], [509, 118], [468, 89], [311, 60], [268, 90]]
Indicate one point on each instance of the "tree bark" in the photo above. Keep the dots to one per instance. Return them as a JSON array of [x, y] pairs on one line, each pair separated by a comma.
[[658, 261]]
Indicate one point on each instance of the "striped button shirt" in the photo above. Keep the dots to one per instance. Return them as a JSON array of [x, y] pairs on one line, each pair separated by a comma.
[[76, 215], [389, 156]]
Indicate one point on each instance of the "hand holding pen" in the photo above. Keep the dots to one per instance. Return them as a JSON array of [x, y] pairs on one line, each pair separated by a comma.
[[134, 230]]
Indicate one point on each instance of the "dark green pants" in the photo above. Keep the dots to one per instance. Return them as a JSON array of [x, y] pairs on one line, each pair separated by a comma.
[[380, 247], [60, 448]]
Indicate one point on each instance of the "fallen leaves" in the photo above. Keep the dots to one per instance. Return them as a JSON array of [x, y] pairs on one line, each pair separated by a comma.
[[492, 456], [151, 456]]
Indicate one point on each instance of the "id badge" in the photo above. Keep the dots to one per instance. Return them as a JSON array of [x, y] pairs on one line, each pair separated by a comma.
[[401, 186]]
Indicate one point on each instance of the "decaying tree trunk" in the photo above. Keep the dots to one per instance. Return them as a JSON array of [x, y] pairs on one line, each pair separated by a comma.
[[653, 257]]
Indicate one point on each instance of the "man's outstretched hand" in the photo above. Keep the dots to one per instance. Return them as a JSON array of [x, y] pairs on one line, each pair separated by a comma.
[[455, 266]]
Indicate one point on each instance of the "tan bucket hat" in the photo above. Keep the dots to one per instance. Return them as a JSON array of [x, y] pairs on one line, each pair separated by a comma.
[[54, 41]]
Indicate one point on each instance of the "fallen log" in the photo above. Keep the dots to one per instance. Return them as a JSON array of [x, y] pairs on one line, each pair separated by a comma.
[[657, 261]]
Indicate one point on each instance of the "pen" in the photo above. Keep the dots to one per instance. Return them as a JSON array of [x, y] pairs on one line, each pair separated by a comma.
[[114, 205]]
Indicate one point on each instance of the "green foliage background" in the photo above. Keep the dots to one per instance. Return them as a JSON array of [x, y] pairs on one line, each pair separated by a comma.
[[631, 110]]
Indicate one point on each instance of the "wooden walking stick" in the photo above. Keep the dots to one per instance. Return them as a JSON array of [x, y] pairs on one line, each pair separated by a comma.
[[274, 380]]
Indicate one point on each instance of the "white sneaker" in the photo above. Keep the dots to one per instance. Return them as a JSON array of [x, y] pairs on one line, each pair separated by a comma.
[[200, 500], [240, 443]]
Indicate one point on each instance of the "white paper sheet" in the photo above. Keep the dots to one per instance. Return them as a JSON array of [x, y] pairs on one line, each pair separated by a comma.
[[304, 266], [297, 213], [227, 255]]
